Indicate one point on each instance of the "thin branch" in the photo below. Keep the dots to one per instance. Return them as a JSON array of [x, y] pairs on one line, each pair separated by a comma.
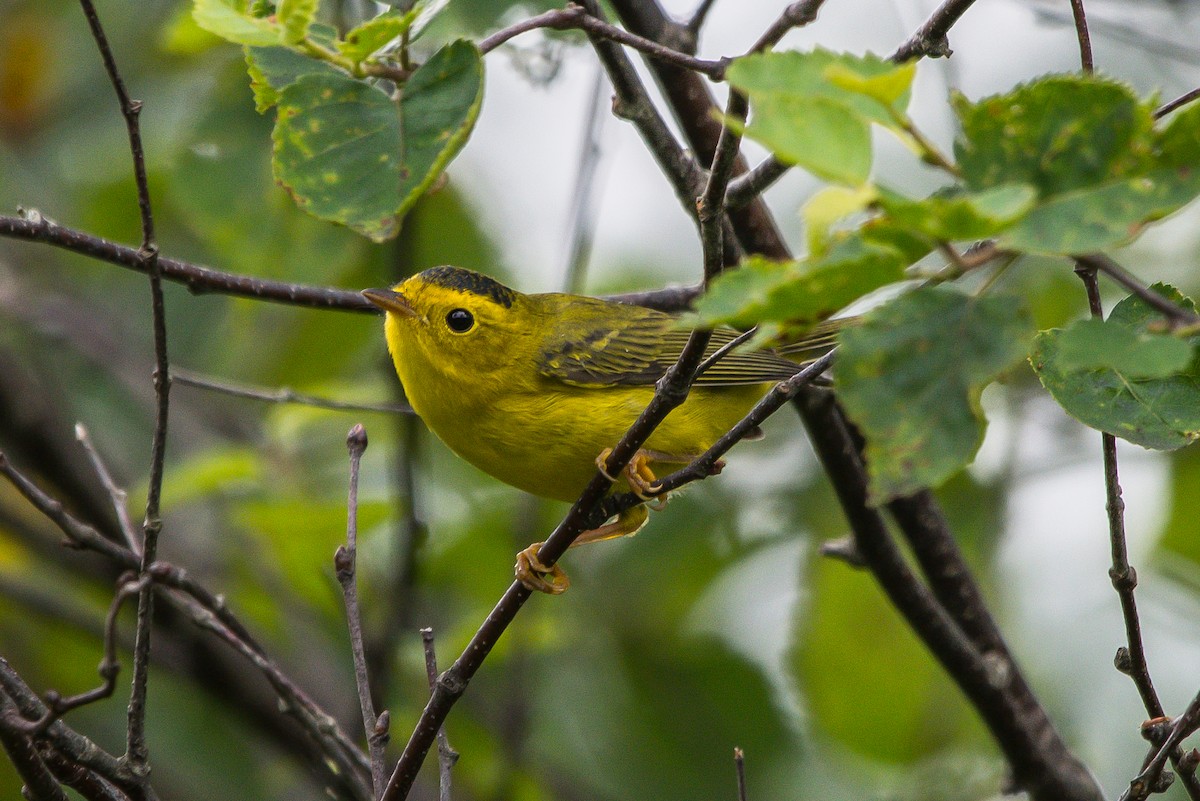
[[577, 17], [116, 494], [32, 226], [344, 561], [280, 395], [1152, 779], [698, 18], [447, 756], [1175, 314], [40, 784], [1182, 100], [931, 38], [794, 16], [1085, 39], [1131, 660], [85, 781], [710, 206], [136, 750], [750, 185]]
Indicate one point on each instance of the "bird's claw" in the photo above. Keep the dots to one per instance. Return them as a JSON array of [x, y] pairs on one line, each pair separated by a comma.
[[534, 575]]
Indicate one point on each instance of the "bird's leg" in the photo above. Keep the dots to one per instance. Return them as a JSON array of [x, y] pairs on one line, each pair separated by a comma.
[[531, 572]]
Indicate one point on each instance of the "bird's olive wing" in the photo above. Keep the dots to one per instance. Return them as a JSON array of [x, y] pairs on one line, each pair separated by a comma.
[[599, 345]]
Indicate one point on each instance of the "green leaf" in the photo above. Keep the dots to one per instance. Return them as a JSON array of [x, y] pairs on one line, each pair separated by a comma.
[[827, 207], [226, 20], [1095, 344], [962, 215], [348, 154], [823, 136], [1161, 413], [799, 292], [440, 105], [910, 376], [338, 147], [295, 16], [373, 34], [1179, 143], [1057, 133], [859, 82], [889, 87], [273, 69], [1106, 216]]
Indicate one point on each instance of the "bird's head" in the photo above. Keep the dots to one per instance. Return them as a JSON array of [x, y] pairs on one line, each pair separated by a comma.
[[452, 321]]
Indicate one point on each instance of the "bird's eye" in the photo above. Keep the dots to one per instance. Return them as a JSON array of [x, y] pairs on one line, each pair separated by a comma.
[[460, 321]]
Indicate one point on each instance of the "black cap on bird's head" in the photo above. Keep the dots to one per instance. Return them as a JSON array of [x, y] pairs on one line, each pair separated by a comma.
[[399, 299]]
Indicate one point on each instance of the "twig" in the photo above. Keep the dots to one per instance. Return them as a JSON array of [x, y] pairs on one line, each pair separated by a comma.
[[710, 206], [1085, 40], [723, 351], [135, 740], [40, 784], [344, 566], [1182, 100], [447, 756], [199, 280], [32, 226], [88, 783], [794, 16], [1175, 314], [750, 185], [739, 761], [696, 21], [280, 395], [116, 494], [1152, 779], [1131, 660], [930, 39], [576, 16]]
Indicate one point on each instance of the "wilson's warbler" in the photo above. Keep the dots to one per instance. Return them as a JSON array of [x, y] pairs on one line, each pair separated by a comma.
[[533, 388]]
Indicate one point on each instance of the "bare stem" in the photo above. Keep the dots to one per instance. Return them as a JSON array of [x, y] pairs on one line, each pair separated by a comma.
[[344, 561], [116, 494], [931, 38], [1085, 39], [280, 395], [576, 16], [447, 756]]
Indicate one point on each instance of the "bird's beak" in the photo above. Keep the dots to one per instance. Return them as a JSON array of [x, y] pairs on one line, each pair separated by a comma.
[[390, 301]]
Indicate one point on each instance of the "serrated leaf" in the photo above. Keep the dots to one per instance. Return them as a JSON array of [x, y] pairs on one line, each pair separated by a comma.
[[272, 69], [799, 292], [823, 136], [962, 215], [337, 150], [373, 34], [910, 376], [1179, 143], [227, 21], [827, 207], [1057, 133], [1106, 216], [440, 105], [295, 16], [855, 81], [348, 154], [1094, 344], [1160, 413]]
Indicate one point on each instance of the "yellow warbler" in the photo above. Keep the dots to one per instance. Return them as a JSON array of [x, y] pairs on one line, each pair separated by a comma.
[[533, 388]]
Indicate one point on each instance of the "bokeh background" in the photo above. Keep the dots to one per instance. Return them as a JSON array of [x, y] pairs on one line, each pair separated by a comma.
[[719, 625]]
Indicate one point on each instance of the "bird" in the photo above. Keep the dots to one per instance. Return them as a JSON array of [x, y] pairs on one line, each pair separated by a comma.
[[535, 389]]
